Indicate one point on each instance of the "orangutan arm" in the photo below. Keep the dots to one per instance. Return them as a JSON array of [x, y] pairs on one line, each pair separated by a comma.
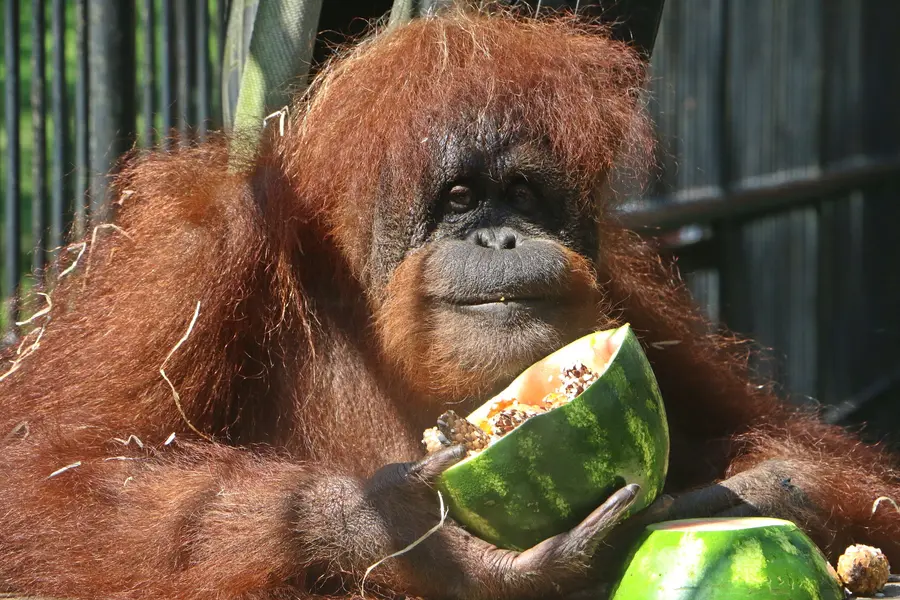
[[814, 474], [119, 464], [176, 521], [181, 520], [179, 288]]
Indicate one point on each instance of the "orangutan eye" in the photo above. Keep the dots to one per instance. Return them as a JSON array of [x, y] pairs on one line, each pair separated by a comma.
[[460, 199], [521, 196]]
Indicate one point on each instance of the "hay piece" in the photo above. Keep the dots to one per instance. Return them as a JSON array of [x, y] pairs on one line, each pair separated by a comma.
[[444, 512], [881, 499], [131, 438], [39, 332], [14, 366], [40, 313], [87, 268], [75, 262], [282, 114], [126, 194], [663, 344], [20, 427], [175, 395], [12, 369], [64, 469]]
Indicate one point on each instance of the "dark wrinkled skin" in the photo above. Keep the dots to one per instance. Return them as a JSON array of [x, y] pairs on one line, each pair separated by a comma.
[[497, 226], [471, 567], [382, 263], [576, 565], [769, 490]]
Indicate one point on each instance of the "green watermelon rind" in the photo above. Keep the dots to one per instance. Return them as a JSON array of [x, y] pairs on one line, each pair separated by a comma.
[[554, 469], [761, 558]]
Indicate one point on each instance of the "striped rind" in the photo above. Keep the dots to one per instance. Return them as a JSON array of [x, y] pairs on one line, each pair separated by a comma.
[[750, 558], [552, 471]]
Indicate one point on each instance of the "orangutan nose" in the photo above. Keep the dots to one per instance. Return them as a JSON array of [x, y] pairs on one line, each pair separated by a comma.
[[497, 238]]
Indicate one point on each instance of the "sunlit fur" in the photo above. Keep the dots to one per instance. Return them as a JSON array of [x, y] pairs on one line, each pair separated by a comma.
[[374, 121], [300, 365]]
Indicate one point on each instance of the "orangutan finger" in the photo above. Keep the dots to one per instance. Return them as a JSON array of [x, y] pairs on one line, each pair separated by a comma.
[[608, 514], [704, 502], [659, 510], [570, 549], [429, 468], [741, 510]]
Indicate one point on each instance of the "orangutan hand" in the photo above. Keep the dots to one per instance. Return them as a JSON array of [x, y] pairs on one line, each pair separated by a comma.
[[769, 489], [452, 563]]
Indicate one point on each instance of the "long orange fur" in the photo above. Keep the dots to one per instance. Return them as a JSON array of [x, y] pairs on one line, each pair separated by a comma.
[[285, 368]]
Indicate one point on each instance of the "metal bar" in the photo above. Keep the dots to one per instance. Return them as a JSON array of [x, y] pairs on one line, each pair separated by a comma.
[[59, 212], [723, 121], [185, 71], [734, 286], [167, 85], [82, 153], [202, 68], [112, 86], [39, 135], [830, 253], [11, 250], [222, 8], [149, 70], [742, 204], [841, 411], [401, 12], [728, 235], [218, 58]]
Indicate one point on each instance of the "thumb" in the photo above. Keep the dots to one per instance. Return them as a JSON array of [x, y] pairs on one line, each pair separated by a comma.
[[429, 468]]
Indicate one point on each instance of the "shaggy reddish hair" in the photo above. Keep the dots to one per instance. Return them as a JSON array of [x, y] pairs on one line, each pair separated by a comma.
[[246, 289], [560, 84]]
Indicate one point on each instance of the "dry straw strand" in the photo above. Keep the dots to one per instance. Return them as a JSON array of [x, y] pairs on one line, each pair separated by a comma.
[[282, 114], [22, 355], [87, 268], [44, 311], [662, 345], [21, 427], [74, 265], [886, 499], [175, 395], [64, 469], [129, 439], [415, 543]]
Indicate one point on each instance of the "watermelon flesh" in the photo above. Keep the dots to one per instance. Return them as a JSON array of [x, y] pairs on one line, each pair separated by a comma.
[[550, 472], [711, 559], [542, 379]]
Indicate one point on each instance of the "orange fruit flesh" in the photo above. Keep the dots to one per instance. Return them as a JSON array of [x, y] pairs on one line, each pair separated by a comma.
[[539, 386]]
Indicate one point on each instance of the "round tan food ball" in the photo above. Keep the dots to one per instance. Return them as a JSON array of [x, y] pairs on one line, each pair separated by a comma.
[[863, 569]]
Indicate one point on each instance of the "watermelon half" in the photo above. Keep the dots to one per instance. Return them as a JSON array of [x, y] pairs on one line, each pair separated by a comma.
[[752, 558], [550, 472]]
